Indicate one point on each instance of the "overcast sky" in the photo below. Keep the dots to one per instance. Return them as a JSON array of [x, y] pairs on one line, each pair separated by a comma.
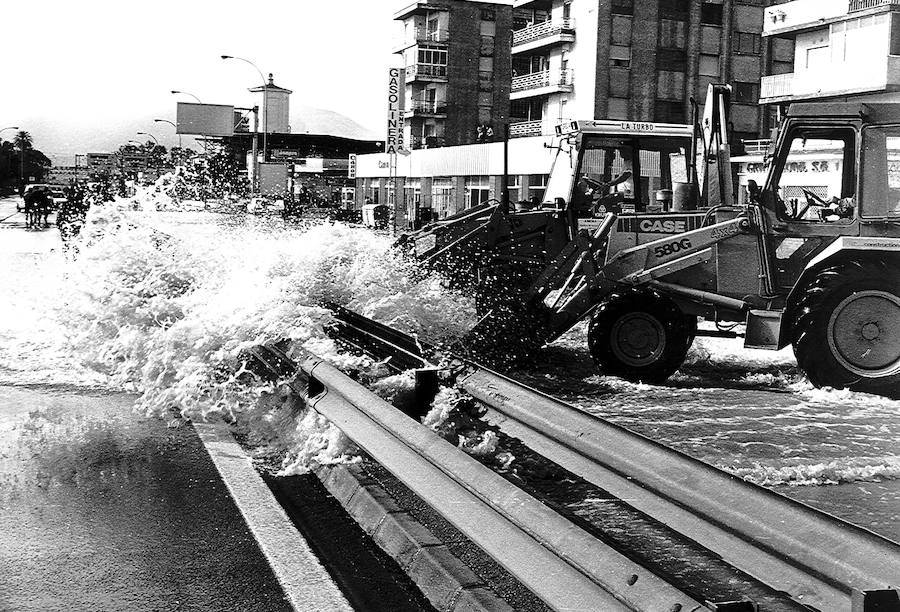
[[103, 63]]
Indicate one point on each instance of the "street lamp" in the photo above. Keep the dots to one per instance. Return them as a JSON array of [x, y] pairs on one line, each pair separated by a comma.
[[155, 139], [265, 98], [187, 93], [174, 126], [12, 127]]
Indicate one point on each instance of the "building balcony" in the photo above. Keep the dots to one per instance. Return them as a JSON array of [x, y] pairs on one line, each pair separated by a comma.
[[419, 8], [794, 17], [426, 107], [422, 36], [554, 31], [426, 142], [776, 87], [872, 75], [541, 83], [862, 5], [519, 129], [426, 72]]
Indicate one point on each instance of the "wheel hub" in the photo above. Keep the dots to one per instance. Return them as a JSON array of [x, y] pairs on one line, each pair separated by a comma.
[[638, 339], [864, 333]]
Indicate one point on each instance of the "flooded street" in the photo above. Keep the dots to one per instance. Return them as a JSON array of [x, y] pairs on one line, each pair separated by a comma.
[[161, 304]]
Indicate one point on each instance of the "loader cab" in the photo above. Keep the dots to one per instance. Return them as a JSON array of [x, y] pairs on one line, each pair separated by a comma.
[[812, 193], [624, 166]]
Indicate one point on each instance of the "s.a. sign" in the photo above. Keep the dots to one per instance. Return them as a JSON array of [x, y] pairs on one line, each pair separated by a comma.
[[394, 142]]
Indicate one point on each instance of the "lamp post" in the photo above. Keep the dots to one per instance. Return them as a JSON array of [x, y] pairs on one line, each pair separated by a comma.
[[174, 126], [12, 127], [265, 99], [187, 93]]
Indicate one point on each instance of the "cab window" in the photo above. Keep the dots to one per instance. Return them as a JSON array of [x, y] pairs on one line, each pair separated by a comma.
[[639, 170], [815, 180], [881, 172]]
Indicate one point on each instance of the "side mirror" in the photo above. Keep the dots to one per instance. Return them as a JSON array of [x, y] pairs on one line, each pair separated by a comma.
[[559, 203]]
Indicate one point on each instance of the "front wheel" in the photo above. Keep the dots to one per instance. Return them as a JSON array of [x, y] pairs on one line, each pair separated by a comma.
[[846, 333], [640, 335]]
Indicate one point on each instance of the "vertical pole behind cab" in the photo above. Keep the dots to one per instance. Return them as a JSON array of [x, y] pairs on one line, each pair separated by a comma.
[[505, 191], [254, 183]]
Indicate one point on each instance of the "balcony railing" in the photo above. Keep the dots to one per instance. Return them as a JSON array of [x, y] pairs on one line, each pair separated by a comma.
[[526, 128], [861, 5], [542, 30], [776, 86], [427, 142], [426, 70], [546, 78], [432, 107]]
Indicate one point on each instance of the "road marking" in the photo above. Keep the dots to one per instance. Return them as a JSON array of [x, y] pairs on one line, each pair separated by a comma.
[[305, 582]]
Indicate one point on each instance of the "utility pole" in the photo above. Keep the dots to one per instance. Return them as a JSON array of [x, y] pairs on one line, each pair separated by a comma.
[[255, 164]]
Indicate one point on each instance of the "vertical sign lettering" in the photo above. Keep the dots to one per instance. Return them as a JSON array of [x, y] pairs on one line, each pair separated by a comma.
[[394, 142], [351, 166]]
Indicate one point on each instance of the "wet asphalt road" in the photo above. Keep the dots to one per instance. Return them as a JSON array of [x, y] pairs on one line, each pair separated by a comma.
[[101, 509]]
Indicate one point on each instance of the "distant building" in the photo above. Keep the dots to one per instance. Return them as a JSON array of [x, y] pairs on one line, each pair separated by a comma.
[[456, 58], [639, 60], [839, 50]]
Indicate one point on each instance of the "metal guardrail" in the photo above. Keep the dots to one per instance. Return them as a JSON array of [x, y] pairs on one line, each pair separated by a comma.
[[817, 559], [564, 566]]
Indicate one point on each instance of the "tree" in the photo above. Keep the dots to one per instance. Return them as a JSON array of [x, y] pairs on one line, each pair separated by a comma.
[[22, 160]]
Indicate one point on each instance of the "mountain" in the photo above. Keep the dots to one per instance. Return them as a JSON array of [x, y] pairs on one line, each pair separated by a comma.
[[61, 138]]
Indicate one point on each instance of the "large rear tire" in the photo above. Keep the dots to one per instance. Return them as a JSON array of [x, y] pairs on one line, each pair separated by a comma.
[[640, 335], [846, 331]]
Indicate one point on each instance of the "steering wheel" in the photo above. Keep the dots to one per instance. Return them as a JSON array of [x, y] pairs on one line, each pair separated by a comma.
[[814, 200]]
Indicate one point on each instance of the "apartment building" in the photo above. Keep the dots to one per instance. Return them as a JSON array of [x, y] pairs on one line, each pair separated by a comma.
[[841, 50], [456, 55], [639, 60]]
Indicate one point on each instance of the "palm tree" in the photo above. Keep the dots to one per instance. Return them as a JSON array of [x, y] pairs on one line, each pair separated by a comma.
[[23, 142]]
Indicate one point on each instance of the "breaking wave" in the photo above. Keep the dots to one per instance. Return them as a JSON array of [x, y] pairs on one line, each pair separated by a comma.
[[837, 471]]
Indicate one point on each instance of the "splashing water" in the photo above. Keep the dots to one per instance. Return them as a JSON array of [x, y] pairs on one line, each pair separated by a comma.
[[164, 307], [164, 303]]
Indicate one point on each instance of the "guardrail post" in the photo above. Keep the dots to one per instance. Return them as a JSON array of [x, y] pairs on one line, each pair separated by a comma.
[[885, 600]]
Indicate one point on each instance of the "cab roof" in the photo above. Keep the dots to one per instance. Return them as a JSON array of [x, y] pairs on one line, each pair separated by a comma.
[[870, 112], [630, 128]]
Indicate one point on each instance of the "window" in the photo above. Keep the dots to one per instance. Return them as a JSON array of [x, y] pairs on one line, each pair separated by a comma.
[[711, 13], [814, 182], [818, 57], [488, 15], [746, 93], [537, 185], [709, 65], [478, 190], [430, 55], [881, 172], [747, 43], [652, 164], [443, 197], [623, 7], [674, 60], [620, 56], [669, 111], [674, 9]]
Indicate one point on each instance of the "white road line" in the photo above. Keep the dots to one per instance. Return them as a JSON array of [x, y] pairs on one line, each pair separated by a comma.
[[305, 582]]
